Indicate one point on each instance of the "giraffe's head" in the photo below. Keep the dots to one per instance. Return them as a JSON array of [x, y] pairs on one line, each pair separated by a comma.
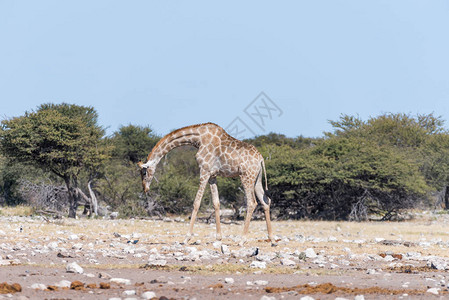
[[146, 173]]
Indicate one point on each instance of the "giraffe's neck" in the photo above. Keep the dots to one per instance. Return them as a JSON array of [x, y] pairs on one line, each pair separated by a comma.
[[178, 138]]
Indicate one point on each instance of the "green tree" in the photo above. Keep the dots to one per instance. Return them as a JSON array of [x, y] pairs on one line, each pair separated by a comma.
[[62, 138], [133, 143]]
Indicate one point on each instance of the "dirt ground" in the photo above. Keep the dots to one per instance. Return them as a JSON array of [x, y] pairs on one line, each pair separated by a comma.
[[323, 260]]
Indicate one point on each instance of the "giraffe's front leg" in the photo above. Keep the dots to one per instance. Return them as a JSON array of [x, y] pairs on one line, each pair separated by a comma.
[[196, 206]]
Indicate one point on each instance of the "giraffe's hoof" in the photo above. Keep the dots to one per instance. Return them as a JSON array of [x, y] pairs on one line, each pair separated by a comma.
[[242, 242], [218, 237], [187, 239]]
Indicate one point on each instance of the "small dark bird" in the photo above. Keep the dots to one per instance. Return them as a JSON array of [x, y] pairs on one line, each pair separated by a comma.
[[255, 252]]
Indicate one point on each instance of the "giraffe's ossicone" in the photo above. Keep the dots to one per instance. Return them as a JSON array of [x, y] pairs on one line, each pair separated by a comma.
[[219, 154]]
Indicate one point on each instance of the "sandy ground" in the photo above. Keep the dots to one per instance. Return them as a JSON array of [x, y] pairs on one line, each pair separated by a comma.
[[323, 260]]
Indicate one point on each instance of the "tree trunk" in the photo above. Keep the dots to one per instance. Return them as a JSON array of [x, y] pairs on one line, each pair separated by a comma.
[[73, 197], [93, 199], [446, 198]]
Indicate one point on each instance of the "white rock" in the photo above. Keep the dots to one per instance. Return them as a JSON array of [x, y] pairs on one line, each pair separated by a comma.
[[148, 295], [38, 286], [389, 258], [438, 264], [261, 282], [332, 239], [217, 244], [129, 293], [258, 264], [434, 291], [157, 262], [413, 255], [307, 298], [63, 284], [229, 280], [359, 297], [74, 268], [310, 253], [73, 237], [225, 249], [52, 245], [267, 298], [77, 246], [120, 281], [287, 262]]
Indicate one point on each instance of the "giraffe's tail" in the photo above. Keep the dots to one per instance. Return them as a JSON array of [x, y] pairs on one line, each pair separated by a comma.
[[265, 173], [266, 182]]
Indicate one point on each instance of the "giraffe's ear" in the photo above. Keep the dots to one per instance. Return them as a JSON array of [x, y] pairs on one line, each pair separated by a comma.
[[140, 164]]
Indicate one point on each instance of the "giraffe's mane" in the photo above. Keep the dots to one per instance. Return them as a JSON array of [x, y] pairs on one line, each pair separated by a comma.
[[177, 131]]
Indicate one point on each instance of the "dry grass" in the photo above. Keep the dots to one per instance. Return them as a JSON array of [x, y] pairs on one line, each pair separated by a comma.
[[19, 210]]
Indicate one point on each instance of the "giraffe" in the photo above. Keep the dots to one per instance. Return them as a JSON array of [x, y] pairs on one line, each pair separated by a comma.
[[219, 154]]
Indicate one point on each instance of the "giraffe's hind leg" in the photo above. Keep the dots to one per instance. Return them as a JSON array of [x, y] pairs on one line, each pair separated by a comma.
[[265, 201], [251, 204]]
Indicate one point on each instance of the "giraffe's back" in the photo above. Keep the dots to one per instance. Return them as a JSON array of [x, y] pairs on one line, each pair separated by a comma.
[[225, 155]]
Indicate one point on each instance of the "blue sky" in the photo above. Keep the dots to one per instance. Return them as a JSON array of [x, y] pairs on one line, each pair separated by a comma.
[[168, 64]]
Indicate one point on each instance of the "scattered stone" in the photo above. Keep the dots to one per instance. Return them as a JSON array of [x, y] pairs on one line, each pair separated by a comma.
[[255, 252], [157, 262], [229, 280], [73, 237], [148, 295], [267, 298], [53, 246], [437, 264], [63, 284], [310, 253], [129, 293], [258, 264], [104, 275], [307, 298], [217, 244], [120, 281], [359, 297], [77, 285], [434, 291], [6, 288], [287, 262], [38, 286], [105, 286], [77, 246], [74, 268], [261, 282], [225, 249]]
